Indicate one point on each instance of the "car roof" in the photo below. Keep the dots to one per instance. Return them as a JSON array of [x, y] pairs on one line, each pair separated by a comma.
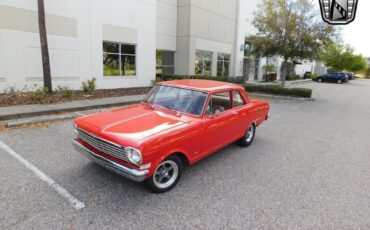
[[204, 85]]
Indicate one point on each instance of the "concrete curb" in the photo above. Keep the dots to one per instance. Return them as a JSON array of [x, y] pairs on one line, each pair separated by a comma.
[[40, 119], [299, 82], [28, 111], [36, 115], [280, 97]]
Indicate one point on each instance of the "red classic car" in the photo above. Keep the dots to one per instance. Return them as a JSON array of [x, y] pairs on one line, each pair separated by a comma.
[[179, 123]]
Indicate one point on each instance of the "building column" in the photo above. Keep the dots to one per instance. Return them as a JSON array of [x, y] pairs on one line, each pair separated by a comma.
[[214, 64]]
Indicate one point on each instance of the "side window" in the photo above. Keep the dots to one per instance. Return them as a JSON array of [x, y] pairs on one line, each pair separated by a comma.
[[238, 99], [219, 102]]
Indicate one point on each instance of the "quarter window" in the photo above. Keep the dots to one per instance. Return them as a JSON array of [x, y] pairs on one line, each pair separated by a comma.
[[219, 102], [119, 59], [203, 62], [223, 64], [238, 99]]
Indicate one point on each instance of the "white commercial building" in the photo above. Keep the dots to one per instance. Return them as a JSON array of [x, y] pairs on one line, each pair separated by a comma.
[[124, 43]]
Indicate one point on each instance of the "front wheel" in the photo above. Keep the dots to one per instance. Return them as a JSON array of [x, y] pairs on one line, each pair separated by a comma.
[[248, 138], [339, 81], [166, 175]]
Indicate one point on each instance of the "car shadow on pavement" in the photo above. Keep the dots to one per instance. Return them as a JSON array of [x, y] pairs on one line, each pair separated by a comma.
[[99, 186]]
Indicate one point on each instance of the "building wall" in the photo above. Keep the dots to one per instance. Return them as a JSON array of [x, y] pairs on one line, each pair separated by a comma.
[[244, 29], [76, 30], [208, 25], [166, 25]]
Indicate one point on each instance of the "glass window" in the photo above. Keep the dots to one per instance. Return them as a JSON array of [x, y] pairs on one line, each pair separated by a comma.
[[111, 65], [238, 99], [165, 63], [179, 99], [247, 48], [119, 59], [203, 62], [223, 65], [219, 102]]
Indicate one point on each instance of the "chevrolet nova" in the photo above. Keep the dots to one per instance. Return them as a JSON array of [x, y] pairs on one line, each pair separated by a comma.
[[179, 123]]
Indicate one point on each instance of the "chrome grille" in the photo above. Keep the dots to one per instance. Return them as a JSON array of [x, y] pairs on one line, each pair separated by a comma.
[[102, 145]]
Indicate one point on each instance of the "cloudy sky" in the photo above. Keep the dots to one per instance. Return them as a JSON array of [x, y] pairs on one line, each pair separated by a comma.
[[357, 33]]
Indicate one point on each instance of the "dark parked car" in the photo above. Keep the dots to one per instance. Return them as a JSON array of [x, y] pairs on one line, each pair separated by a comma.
[[338, 78], [350, 76]]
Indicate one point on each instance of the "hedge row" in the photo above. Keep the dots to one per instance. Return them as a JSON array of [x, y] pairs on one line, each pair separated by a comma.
[[292, 77], [278, 90], [269, 89]]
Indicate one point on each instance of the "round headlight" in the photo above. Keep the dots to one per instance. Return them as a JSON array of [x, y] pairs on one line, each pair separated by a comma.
[[134, 155], [75, 129]]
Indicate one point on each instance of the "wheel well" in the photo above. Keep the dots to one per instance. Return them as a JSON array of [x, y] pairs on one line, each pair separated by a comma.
[[182, 157]]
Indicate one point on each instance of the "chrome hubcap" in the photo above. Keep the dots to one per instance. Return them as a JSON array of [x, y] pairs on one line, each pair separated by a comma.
[[165, 174], [250, 133]]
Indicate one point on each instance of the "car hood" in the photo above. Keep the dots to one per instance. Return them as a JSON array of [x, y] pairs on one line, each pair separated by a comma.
[[130, 125]]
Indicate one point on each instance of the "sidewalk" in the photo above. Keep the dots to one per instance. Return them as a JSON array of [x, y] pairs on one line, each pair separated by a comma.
[[27, 111], [298, 82], [287, 83], [23, 111]]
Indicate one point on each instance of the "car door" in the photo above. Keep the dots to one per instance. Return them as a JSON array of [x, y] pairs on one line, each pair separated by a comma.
[[327, 77], [218, 123], [332, 77], [241, 110]]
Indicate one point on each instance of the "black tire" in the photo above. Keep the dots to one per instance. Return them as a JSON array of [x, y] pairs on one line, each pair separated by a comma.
[[153, 183], [247, 140]]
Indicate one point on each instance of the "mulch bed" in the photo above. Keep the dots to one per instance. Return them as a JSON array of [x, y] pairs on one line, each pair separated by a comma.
[[25, 98]]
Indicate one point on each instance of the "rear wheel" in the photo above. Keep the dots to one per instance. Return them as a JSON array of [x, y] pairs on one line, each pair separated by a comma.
[[319, 80], [248, 138], [166, 175]]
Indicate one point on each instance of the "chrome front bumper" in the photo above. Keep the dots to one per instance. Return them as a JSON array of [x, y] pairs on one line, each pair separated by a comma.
[[133, 174]]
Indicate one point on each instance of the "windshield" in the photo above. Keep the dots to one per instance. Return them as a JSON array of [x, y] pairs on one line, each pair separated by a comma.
[[179, 99]]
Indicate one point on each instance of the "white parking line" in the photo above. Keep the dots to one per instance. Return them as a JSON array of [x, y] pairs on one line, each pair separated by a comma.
[[42, 176]]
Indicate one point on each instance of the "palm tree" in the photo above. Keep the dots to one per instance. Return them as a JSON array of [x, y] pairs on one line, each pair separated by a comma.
[[44, 46]]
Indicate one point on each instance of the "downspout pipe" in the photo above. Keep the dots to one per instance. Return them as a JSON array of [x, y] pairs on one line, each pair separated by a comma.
[[237, 38]]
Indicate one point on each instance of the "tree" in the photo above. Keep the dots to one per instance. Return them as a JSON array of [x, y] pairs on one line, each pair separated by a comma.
[[44, 46], [342, 58], [268, 68], [292, 29]]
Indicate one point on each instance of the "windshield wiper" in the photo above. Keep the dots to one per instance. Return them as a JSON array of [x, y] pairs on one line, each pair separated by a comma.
[[169, 108]]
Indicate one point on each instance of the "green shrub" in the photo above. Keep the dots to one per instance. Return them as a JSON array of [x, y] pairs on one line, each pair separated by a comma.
[[292, 77], [89, 86], [269, 68], [278, 90], [39, 93], [66, 92], [310, 76], [367, 73]]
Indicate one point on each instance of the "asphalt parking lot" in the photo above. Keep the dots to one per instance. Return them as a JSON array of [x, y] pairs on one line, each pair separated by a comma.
[[308, 168]]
